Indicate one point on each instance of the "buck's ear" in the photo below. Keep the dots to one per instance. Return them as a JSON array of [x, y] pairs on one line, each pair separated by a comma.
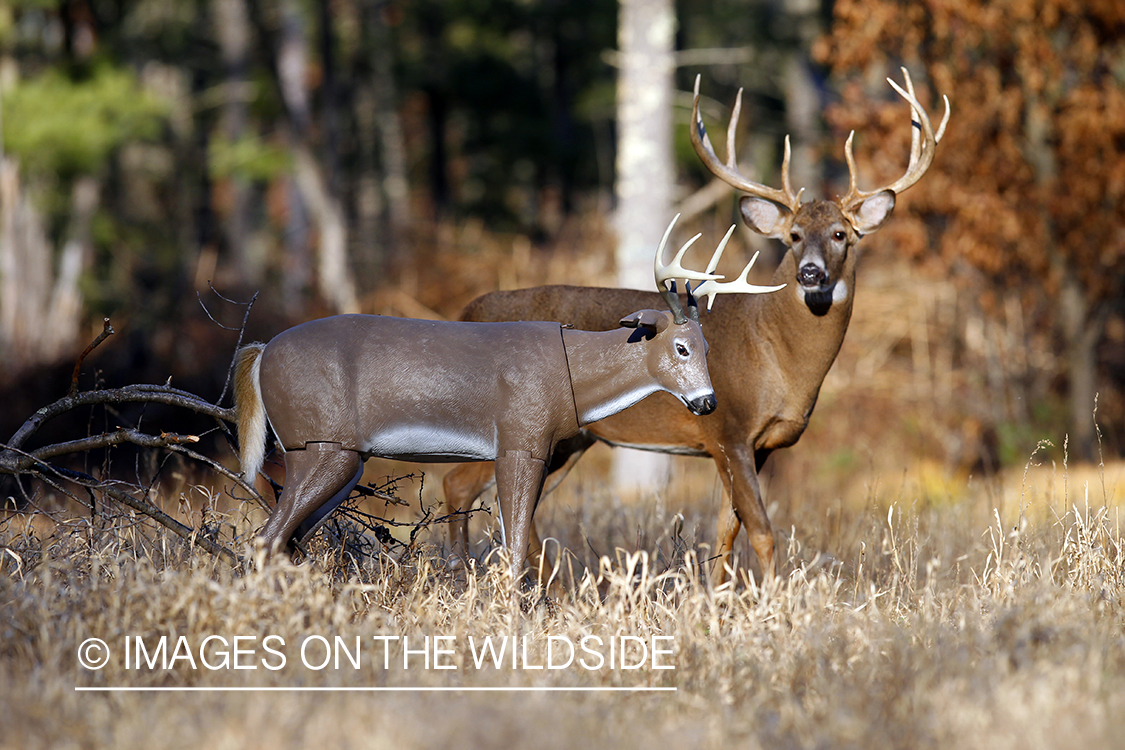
[[765, 217], [652, 319], [872, 212]]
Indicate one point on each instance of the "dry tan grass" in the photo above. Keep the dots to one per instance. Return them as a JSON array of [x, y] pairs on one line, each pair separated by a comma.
[[919, 605], [897, 622]]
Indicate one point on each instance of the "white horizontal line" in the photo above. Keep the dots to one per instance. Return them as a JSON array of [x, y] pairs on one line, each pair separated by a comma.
[[407, 689]]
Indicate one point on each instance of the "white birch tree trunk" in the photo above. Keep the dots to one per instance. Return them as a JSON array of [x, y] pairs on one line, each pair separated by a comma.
[[645, 178], [802, 99], [232, 30], [40, 306], [334, 280]]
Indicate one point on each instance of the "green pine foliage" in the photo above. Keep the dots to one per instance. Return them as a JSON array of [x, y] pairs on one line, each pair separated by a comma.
[[57, 125]]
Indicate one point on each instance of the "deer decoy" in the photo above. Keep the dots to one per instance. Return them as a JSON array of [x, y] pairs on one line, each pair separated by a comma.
[[338, 390], [768, 354]]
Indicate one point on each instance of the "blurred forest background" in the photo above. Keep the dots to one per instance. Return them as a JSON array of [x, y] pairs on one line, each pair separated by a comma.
[[405, 156]]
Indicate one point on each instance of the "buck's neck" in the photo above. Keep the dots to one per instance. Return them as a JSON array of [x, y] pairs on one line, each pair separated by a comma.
[[805, 331], [607, 372]]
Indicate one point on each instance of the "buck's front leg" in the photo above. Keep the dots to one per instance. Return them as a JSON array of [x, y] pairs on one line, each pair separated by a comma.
[[745, 508], [317, 478], [519, 480]]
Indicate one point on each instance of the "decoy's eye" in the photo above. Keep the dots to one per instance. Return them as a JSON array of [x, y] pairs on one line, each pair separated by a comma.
[[682, 350]]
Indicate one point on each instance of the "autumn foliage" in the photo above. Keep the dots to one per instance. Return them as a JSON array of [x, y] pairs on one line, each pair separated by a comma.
[[1027, 195]]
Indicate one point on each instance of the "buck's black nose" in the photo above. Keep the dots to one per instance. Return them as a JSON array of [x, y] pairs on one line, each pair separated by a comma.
[[812, 275], [703, 404]]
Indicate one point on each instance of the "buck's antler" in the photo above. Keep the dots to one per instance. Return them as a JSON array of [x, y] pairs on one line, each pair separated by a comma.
[[923, 143], [728, 172], [709, 285], [675, 270]]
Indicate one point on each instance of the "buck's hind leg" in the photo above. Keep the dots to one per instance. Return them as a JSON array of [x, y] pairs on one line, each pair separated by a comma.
[[726, 531], [462, 486], [317, 479]]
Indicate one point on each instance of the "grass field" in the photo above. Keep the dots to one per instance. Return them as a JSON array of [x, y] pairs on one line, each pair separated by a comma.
[[988, 617]]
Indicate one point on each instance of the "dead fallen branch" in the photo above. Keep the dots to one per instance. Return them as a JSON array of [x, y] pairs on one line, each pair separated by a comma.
[[42, 462], [157, 394]]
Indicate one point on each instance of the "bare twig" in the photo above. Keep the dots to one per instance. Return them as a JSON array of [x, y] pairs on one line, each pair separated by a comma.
[[241, 329], [220, 469], [14, 460], [348, 522], [199, 297], [105, 440], [17, 461], [107, 331]]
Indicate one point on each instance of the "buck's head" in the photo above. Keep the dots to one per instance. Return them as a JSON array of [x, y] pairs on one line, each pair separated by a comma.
[[820, 233]]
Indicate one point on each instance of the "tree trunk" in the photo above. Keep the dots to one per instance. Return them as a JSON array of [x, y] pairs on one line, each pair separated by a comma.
[[802, 97], [64, 313], [433, 24], [645, 170], [646, 175], [25, 271], [40, 306], [232, 26], [392, 143], [334, 281], [1082, 328], [382, 202], [193, 175]]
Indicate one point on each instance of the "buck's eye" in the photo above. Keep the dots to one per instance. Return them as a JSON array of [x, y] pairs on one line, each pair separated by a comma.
[[795, 236], [682, 350], [839, 235]]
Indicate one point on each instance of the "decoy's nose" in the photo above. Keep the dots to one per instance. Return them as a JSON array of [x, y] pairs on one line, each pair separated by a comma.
[[703, 404]]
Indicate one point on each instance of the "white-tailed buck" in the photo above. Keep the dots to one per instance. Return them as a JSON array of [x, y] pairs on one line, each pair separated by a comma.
[[338, 390], [768, 354]]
